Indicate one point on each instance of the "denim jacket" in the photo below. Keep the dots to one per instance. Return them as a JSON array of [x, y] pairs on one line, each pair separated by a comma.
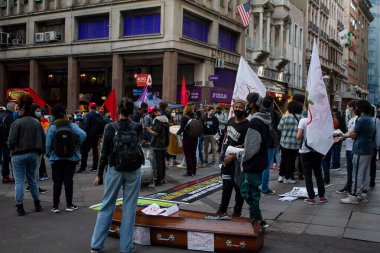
[[49, 138]]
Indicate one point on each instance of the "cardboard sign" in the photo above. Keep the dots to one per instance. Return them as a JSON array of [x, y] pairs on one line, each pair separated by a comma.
[[141, 235], [200, 241], [143, 79]]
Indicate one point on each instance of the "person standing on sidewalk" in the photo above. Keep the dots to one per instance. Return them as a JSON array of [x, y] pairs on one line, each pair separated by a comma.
[[26, 141], [93, 126], [254, 158], [210, 129], [6, 120], [268, 107], [289, 144], [311, 163], [189, 143], [363, 147], [63, 141], [337, 147], [223, 119], [159, 144], [236, 130], [349, 145], [120, 145]]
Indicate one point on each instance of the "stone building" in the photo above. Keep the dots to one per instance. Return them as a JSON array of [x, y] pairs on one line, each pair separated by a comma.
[[77, 50], [374, 55]]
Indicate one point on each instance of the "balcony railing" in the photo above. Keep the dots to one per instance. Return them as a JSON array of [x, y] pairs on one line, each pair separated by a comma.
[[313, 27], [323, 35], [325, 9], [316, 2], [340, 25]]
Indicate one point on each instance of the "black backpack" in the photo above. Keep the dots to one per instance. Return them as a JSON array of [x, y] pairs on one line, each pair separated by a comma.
[[64, 141], [194, 128], [127, 151], [97, 126], [4, 130]]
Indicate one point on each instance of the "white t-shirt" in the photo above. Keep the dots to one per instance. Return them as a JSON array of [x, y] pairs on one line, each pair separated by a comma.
[[351, 128], [303, 125]]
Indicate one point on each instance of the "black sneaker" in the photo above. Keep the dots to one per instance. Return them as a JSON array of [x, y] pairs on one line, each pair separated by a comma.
[[20, 209], [55, 210], [269, 192], [27, 189], [37, 206], [343, 190], [71, 208], [264, 224], [372, 184], [94, 170]]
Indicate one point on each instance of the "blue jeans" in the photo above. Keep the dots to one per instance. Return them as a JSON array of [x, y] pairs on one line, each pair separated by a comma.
[[277, 154], [114, 180], [25, 165], [201, 142], [265, 179], [335, 153], [326, 164], [349, 157], [6, 155]]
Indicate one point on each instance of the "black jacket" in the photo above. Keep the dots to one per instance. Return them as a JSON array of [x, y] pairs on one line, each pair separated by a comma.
[[185, 119], [7, 118], [106, 154], [161, 127]]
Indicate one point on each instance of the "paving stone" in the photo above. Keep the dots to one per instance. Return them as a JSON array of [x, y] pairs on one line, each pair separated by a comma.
[[303, 209], [273, 207], [330, 221], [359, 234], [343, 213], [366, 209], [270, 215], [295, 217], [313, 229], [366, 221], [287, 227]]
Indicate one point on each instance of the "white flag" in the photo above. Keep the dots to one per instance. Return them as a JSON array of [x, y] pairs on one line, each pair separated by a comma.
[[319, 134], [247, 81]]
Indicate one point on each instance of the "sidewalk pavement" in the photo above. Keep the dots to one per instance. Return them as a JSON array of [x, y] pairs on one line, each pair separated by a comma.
[[294, 226]]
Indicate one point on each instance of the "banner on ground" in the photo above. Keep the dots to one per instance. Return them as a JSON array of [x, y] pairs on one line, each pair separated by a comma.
[[319, 134]]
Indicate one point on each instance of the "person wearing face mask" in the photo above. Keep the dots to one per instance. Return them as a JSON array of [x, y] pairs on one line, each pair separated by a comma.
[[236, 130], [43, 176], [210, 128], [160, 142], [222, 118]]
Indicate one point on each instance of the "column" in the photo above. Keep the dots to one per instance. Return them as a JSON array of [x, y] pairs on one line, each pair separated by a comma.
[[56, 4], [261, 21], [18, 9], [35, 76], [72, 84], [281, 38], [3, 82], [118, 75], [69, 3], [32, 6], [268, 32], [250, 30], [169, 79], [272, 37], [8, 10], [45, 5], [287, 41]]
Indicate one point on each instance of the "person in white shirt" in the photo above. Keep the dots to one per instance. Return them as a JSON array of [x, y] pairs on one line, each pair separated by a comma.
[[349, 144]]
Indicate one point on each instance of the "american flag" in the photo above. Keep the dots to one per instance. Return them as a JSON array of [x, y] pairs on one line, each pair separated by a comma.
[[245, 13]]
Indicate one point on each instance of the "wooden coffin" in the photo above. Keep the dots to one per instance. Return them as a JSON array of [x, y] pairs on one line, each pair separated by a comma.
[[189, 230]]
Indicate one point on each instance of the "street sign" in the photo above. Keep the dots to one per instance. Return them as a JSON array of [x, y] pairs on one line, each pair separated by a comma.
[[143, 79], [213, 78]]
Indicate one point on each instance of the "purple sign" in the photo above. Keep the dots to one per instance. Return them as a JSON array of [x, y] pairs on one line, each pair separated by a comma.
[[194, 93], [221, 96]]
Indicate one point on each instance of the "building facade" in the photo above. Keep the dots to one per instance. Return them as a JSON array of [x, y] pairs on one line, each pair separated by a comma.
[[357, 18], [78, 50], [373, 55]]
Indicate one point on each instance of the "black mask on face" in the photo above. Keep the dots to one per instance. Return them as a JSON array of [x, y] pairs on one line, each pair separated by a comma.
[[239, 114]]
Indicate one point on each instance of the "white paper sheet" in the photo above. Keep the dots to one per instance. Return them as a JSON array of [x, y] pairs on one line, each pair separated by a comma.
[[200, 241], [170, 210], [153, 209], [232, 150]]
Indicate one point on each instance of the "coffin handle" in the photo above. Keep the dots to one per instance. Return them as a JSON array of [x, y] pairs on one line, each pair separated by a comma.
[[241, 245], [170, 238]]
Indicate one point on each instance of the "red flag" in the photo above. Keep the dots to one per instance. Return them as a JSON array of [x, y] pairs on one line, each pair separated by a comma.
[[110, 104], [184, 98]]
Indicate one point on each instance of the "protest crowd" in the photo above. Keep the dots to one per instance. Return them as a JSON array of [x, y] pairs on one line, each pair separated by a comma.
[[265, 140]]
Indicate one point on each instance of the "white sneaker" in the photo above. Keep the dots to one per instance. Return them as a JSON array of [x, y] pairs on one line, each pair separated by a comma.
[[280, 179], [289, 181], [182, 166], [337, 169], [351, 199], [364, 198]]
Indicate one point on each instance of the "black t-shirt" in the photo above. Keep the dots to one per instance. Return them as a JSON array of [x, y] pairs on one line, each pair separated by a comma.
[[235, 134], [210, 125]]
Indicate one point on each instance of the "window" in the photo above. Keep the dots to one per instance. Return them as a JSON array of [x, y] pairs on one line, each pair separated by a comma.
[[93, 28], [300, 76], [195, 28], [301, 38], [295, 35], [227, 39], [142, 24]]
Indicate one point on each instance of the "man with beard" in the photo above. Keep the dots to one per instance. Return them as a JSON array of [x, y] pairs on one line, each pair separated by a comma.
[[236, 129]]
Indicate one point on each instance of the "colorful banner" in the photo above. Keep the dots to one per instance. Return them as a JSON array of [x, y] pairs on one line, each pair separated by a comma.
[[220, 96], [194, 93], [15, 93]]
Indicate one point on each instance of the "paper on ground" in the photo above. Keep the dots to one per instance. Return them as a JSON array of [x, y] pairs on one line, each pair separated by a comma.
[[289, 198]]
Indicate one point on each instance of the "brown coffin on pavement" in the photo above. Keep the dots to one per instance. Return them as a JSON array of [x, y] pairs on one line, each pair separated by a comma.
[[233, 235]]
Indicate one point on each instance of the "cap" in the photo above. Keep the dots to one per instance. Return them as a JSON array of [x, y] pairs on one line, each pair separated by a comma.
[[151, 109], [254, 98], [239, 101], [2, 108], [92, 104], [143, 105]]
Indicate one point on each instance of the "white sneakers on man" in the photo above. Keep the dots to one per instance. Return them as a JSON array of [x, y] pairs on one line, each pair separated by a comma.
[[280, 179], [351, 199]]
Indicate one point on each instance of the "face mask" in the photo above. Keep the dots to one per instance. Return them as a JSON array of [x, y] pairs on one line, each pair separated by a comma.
[[239, 113], [38, 114]]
